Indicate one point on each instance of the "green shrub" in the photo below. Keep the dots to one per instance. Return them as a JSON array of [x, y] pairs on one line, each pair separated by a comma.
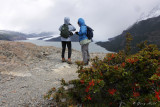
[[117, 80]]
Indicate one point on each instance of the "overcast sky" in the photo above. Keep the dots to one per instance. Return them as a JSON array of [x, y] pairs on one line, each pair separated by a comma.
[[108, 18]]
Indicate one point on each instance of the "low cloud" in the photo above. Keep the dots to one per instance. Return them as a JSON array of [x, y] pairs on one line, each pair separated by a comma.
[[108, 18]]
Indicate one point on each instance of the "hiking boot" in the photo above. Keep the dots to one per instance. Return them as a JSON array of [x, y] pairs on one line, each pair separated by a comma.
[[63, 60], [69, 61]]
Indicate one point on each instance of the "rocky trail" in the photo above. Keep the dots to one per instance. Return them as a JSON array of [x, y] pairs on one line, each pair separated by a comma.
[[28, 71]]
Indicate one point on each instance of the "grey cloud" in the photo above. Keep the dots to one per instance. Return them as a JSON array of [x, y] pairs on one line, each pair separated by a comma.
[[108, 18]]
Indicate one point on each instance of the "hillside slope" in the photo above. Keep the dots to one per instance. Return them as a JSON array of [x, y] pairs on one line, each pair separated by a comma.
[[144, 30]]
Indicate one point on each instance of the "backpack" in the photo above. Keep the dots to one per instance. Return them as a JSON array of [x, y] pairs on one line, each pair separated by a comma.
[[89, 33], [65, 33]]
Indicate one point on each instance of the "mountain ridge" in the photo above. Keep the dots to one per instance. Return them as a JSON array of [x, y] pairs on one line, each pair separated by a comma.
[[144, 30], [13, 35]]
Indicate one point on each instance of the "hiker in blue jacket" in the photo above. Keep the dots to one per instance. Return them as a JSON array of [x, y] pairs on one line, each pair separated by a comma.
[[84, 41], [67, 41]]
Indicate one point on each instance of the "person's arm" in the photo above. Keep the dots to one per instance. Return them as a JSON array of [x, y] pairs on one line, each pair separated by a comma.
[[83, 30], [60, 28], [71, 28]]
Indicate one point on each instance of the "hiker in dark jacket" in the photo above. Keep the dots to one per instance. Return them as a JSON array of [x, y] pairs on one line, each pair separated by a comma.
[[84, 41], [67, 41]]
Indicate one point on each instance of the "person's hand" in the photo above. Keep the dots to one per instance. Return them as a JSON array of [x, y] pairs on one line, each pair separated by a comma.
[[71, 33], [76, 33]]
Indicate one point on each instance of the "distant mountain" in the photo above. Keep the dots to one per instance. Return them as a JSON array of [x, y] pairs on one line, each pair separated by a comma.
[[12, 35], [143, 30], [74, 38]]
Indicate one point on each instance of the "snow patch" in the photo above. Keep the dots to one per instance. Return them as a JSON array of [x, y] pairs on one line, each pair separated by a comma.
[[155, 12]]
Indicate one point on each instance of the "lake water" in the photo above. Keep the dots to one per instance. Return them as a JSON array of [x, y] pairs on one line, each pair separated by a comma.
[[75, 45]]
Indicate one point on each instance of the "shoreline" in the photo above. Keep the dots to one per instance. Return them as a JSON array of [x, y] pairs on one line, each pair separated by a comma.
[[93, 47]]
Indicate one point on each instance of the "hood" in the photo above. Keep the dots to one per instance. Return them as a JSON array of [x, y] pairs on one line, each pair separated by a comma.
[[67, 20], [81, 21]]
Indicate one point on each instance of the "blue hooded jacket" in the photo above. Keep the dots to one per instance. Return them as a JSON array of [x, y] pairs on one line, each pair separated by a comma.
[[83, 30]]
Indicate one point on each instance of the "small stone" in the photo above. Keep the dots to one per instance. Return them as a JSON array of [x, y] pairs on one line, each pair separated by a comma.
[[4, 101], [63, 100], [66, 88], [13, 91]]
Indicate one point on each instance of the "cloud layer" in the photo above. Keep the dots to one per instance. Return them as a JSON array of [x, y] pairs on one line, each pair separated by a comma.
[[108, 18]]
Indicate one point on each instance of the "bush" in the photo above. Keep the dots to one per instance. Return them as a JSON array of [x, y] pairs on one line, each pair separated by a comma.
[[117, 80]]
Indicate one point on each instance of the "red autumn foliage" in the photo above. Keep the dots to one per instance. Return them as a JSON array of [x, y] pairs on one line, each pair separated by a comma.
[[82, 81], [158, 74], [112, 91], [112, 56], [136, 94], [123, 64], [87, 89], [132, 60], [89, 97], [157, 95], [109, 59], [116, 67], [91, 83]]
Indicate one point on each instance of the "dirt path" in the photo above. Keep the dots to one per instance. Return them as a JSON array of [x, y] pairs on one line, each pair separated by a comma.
[[24, 86]]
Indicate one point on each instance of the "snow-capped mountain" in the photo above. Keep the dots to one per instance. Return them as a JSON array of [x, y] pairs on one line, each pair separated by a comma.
[[148, 29], [155, 12]]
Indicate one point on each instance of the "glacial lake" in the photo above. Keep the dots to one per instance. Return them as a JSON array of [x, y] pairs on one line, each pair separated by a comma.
[[75, 45]]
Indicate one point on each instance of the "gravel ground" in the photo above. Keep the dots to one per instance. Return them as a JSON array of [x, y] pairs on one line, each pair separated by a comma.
[[25, 85]]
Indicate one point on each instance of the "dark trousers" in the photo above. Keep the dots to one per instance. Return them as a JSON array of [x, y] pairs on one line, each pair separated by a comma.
[[69, 46]]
